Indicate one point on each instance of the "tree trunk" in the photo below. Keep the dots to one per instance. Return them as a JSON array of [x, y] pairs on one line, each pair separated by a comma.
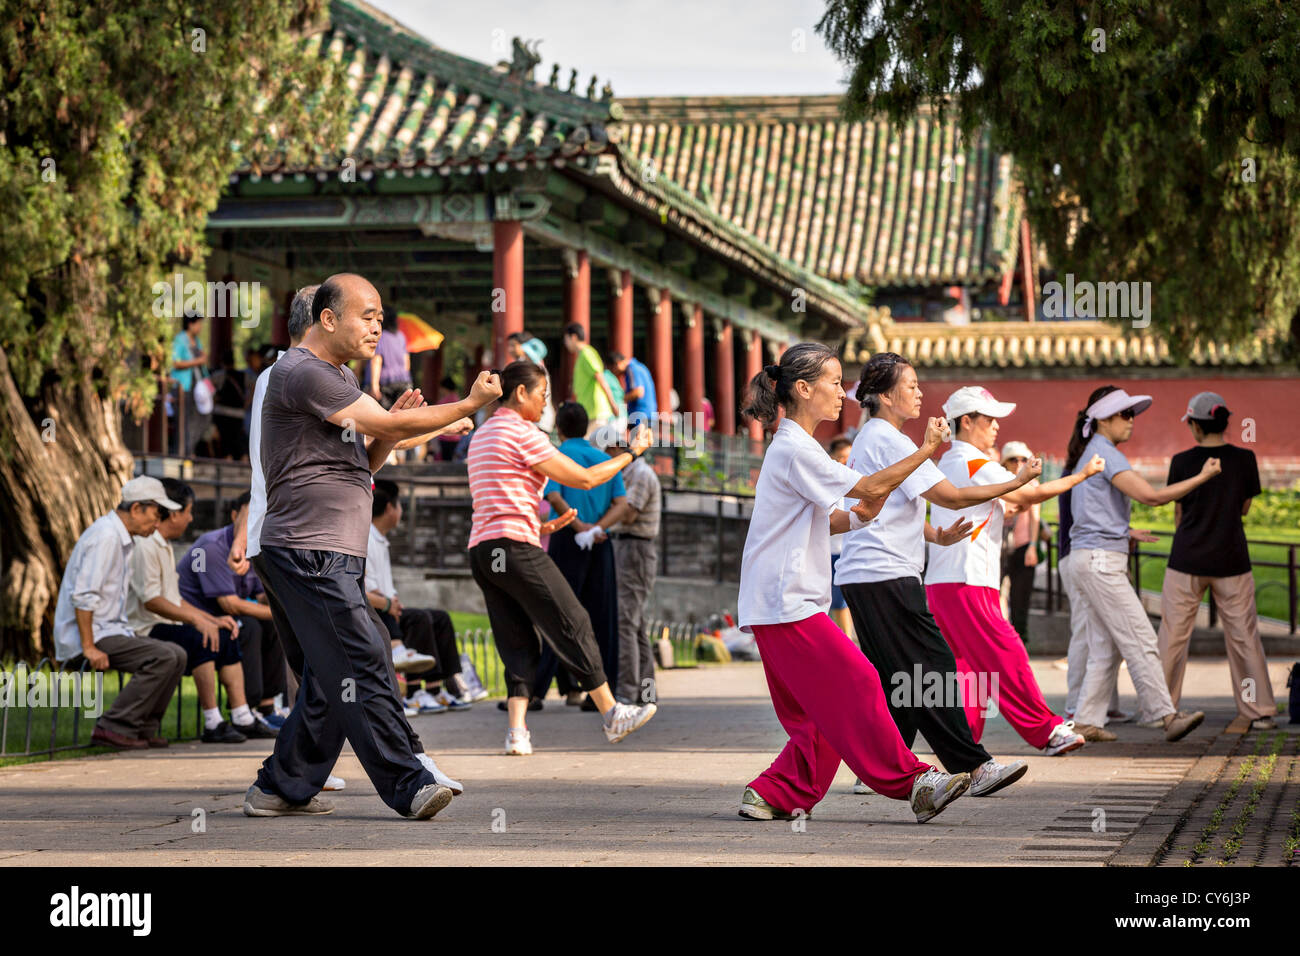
[[62, 465]]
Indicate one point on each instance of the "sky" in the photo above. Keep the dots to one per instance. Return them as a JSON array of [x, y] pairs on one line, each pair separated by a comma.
[[644, 47]]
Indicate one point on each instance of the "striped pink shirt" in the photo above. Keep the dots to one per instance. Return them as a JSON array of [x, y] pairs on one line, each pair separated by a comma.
[[502, 482]]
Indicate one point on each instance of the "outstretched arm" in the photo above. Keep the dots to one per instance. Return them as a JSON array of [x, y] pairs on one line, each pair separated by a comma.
[[873, 489]]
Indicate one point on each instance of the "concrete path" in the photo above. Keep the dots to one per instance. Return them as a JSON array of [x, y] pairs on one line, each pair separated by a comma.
[[666, 795]]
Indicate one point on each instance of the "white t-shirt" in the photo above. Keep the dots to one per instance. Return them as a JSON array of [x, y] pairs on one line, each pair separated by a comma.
[[785, 573], [257, 503], [892, 546], [976, 560], [379, 564]]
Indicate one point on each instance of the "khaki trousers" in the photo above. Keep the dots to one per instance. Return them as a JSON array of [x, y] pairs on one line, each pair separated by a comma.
[[1235, 598]]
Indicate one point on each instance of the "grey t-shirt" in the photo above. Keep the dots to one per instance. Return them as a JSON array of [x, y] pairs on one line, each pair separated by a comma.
[[1100, 510], [318, 484]]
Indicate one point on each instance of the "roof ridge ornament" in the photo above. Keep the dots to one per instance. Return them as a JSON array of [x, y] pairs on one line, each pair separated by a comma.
[[524, 59]]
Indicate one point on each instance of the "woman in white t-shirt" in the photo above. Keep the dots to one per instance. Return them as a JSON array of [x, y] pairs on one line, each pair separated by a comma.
[[879, 572], [826, 694]]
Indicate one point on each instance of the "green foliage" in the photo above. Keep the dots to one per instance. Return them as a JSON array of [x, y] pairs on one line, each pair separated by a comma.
[[1272, 513], [1131, 156], [117, 133]]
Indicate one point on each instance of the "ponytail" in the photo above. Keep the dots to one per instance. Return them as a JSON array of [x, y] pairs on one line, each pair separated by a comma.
[[1078, 443], [773, 388]]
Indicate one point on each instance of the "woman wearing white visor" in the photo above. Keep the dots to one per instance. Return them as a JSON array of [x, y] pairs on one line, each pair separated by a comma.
[[1118, 627], [962, 580]]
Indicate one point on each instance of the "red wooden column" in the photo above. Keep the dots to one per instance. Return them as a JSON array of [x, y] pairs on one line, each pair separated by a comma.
[[661, 335], [1027, 269], [693, 388], [754, 365], [507, 285], [432, 378], [280, 319], [577, 310], [620, 311], [724, 374]]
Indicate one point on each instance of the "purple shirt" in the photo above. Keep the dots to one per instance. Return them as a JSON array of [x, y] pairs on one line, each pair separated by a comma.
[[392, 349], [204, 575]]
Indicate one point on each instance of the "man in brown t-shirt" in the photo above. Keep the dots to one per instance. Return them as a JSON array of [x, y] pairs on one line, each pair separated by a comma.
[[315, 421]]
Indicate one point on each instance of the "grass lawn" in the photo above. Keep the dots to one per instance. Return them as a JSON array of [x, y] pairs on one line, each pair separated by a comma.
[[60, 724], [1270, 583], [40, 728]]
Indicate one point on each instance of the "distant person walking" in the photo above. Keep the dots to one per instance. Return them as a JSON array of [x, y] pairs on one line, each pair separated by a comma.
[[638, 389], [189, 368], [1210, 553], [388, 374], [589, 386]]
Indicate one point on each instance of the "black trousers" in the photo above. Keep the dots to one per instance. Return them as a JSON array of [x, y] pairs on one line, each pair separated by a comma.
[[264, 663], [526, 595], [428, 631], [348, 688], [896, 630], [1022, 589], [593, 577]]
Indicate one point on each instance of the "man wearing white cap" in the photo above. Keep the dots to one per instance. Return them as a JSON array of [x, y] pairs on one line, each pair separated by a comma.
[[962, 580], [91, 627], [1118, 627], [1209, 552]]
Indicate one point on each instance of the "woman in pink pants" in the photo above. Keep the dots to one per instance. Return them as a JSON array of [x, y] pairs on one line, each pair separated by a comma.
[[962, 580], [826, 693]]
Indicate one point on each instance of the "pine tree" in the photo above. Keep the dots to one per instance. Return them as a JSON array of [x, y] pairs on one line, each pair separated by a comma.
[[119, 128]]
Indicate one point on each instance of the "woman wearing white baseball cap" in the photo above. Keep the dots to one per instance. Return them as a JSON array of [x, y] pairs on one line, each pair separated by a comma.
[[962, 580], [1118, 627]]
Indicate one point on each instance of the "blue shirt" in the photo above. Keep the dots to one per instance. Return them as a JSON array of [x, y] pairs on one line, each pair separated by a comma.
[[1099, 510], [638, 376], [592, 504], [181, 352], [204, 575]]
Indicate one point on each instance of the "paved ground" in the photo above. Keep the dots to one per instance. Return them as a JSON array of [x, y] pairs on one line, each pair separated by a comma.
[[666, 795]]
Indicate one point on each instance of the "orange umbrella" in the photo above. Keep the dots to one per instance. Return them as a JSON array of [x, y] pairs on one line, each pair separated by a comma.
[[420, 335]]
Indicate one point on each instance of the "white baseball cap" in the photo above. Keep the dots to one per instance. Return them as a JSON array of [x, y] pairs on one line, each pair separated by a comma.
[[1016, 449], [975, 399], [144, 488]]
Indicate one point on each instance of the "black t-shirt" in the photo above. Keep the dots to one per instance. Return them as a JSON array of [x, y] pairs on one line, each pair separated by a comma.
[[1210, 540]]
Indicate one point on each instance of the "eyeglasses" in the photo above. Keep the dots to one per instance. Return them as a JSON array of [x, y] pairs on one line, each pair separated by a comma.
[[1127, 414], [1017, 458]]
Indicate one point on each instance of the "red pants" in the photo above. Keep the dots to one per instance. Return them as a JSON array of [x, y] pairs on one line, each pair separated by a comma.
[[989, 649], [829, 700]]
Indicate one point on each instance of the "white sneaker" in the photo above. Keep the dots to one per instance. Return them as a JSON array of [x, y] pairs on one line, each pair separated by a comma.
[[991, 776], [449, 701], [1063, 740], [624, 718], [440, 778], [405, 659], [410, 709], [861, 789], [519, 743], [334, 783], [426, 702], [933, 790]]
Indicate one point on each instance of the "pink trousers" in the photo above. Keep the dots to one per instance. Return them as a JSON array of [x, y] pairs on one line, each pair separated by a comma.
[[988, 648], [829, 699]]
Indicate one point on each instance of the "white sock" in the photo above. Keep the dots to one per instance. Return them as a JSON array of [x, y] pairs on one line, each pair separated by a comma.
[[241, 716], [211, 718]]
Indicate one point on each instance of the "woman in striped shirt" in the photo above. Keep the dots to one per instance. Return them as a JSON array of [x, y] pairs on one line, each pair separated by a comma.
[[509, 462]]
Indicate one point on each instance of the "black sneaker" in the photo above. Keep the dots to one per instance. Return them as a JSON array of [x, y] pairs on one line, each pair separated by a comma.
[[257, 729], [223, 733]]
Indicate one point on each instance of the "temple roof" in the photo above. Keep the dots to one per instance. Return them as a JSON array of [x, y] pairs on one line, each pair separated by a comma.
[[1073, 345], [870, 202]]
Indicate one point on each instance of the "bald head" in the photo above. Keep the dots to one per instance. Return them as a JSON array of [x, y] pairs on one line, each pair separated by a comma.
[[346, 316]]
